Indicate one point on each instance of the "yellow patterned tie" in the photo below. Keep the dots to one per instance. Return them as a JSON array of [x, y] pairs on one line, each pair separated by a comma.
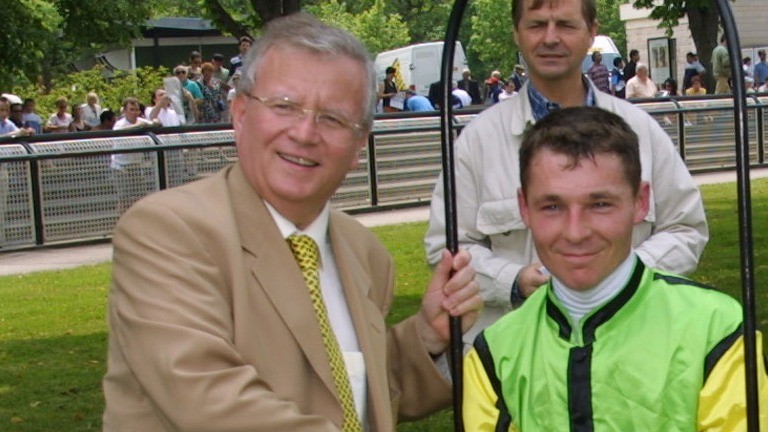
[[308, 257]]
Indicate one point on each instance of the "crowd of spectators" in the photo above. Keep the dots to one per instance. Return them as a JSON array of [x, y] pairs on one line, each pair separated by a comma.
[[199, 92]]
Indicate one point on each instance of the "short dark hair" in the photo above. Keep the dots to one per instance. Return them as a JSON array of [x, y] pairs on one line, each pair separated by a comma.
[[617, 61], [582, 133], [242, 39], [390, 70], [633, 53], [218, 57], [107, 115], [588, 10], [595, 54]]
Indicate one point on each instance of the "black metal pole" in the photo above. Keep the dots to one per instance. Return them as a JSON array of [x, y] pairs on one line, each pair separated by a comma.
[[741, 137], [449, 196]]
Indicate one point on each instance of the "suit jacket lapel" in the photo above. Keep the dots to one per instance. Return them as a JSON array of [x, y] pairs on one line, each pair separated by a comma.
[[369, 326], [275, 272]]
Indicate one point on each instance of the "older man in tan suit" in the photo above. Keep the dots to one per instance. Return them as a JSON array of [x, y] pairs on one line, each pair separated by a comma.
[[214, 327]]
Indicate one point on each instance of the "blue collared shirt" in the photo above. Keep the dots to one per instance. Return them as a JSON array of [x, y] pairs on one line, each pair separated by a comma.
[[541, 106]]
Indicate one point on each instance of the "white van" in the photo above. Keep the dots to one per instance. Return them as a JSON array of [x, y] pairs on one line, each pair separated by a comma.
[[605, 46], [418, 65]]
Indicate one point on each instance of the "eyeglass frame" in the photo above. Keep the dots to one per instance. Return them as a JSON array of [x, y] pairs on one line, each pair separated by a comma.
[[302, 111]]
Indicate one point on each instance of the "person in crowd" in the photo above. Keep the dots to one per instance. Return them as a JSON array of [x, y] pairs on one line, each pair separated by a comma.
[[508, 91], [599, 73], [761, 69], [672, 236], [213, 103], [78, 124], [128, 169], [59, 121], [243, 301], [749, 85], [721, 67], [17, 117], [232, 93], [465, 100], [696, 89], [631, 68], [107, 120], [417, 103], [669, 88], [7, 127], [470, 86], [31, 117], [493, 87], [192, 94], [194, 70], [162, 110], [641, 85], [243, 44], [388, 89], [132, 116], [609, 340], [618, 84], [518, 76], [693, 67], [746, 66], [221, 74], [91, 109]]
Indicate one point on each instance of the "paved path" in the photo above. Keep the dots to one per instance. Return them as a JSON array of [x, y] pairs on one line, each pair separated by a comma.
[[21, 262]]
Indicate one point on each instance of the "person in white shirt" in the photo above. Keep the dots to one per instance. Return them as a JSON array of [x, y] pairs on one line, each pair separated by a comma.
[[162, 110], [130, 179], [91, 109], [509, 90], [464, 97], [641, 85]]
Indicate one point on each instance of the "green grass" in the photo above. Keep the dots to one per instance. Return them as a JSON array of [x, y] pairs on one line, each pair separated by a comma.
[[53, 329]]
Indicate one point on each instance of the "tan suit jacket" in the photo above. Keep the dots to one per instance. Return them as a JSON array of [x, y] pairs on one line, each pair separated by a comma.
[[212, 328]]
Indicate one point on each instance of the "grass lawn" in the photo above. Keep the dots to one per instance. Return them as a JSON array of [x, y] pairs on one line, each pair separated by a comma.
[[53, 328]]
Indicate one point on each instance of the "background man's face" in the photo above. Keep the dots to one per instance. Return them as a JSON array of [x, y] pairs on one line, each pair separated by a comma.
[[554, 39]]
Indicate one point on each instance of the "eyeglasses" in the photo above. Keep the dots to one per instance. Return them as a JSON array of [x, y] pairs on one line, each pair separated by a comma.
[[327, 121], [180, 72]]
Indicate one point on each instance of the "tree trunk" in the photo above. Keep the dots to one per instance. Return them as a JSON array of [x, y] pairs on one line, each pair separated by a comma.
[[224, 20], [703, 23]]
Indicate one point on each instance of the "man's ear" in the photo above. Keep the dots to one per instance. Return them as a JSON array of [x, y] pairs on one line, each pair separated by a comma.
[[360, 144], [522, 205], [642, 202], [237, 111]]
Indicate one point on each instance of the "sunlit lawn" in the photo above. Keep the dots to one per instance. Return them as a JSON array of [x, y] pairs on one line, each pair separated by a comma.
[[53, 329]]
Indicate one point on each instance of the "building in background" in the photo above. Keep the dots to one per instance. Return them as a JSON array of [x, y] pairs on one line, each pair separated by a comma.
[[750, 21]]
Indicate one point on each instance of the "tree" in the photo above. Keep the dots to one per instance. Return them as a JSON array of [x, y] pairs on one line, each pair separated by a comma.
[[611, 24], [491, 44], [48, 35], [702, 22]]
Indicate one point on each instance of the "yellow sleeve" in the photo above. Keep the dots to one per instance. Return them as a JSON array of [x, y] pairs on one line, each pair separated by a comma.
[[479, 398], [722, 400]]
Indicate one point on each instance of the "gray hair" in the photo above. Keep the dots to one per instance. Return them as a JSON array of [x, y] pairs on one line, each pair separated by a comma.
[[303, 31]]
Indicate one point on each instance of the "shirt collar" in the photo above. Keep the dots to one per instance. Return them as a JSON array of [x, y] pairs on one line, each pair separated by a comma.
[[318, 229], [541, 106]]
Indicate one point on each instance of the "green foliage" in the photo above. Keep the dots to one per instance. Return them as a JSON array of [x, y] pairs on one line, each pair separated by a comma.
[[53, 331], [492, 42], [112, 88], [48, 35], [611, 24], [378, 30]]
